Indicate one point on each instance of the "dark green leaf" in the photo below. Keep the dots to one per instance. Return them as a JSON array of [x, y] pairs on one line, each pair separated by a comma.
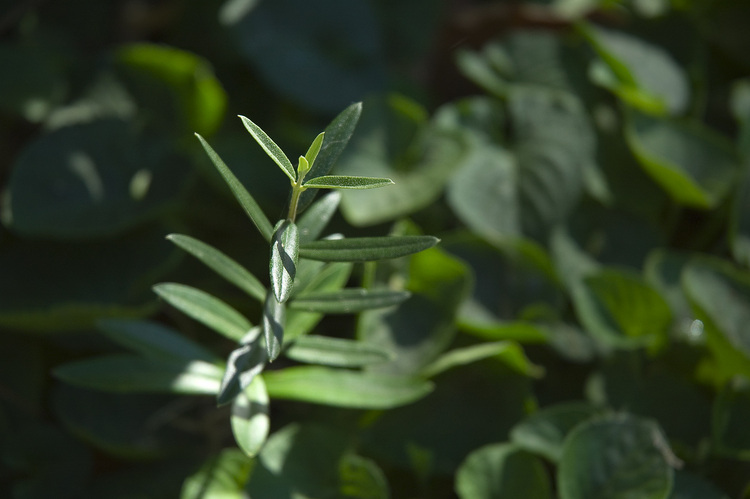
[[346, 182], [364, 249], [154, 340], [689, 486], [240, 193], [544, 431], [343, 388], [616, 457], [739, 229], [283, 261], [502, 470], [347, 301], [206, 309], [221, 264], [250, 421], [339, 352], [316, 217], [273, 150], [274, 318], [130, 373]]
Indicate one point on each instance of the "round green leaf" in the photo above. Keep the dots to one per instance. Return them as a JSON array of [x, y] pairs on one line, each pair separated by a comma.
[[616, 457], [502, 470]]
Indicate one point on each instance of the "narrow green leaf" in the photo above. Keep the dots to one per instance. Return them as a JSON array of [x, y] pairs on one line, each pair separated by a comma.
[[132, 373], [249, 420], [274, 315], [338, 352], [205, 308], [243, 365], [273, 150], [221, 264], [511, 353], [337, 135], [315, 218], [303, 166], [363, 249], [312, 152], [347, 301], [240, 193], [284, 256], [154, 340], [344, 388], [498, 471], [346, 182]]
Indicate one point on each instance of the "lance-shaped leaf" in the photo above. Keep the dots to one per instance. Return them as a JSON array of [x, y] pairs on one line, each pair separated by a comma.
[[221, 264], [344, 388], [273, 150], [312, 152], [347, 301], [346, 182], [365, 249], [240, 193], [339, 352], [154, 340], [311, 224], [338, 133], [243, 365], [284, 256], [274, 314], [206, 309], [250, 421], [133, 373]]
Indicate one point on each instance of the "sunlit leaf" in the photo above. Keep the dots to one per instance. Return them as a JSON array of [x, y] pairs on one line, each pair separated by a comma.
[[221, 264], [343, 388], [205, 308], [510, 353], [346, 182], [314, 220], [347, 301], [250, 421], [243, 366], [273, 150], [222, 476], [283, 261], [273, 323], [240, 193], [363, 249], [131, 373], [339, 352], [312, 152]]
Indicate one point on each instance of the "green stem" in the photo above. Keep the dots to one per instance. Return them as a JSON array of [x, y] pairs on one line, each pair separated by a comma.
[[297, 190]]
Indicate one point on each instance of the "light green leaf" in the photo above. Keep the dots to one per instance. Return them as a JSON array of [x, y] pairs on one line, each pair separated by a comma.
[[314, 149], [240, 193], [221, 264], [621, 309], [273, 150], [364, 249], [131, 373], [221, 477], [274, 316], [346, 182], [338, 352], [250, 421], [693, 164], [544, 431], [343, 388], [347, 301], [284, 257], [243, 365], [206, 309], [719, 293], [316, 217], [154, 340], [617, 457], [501, 471], [508, 352]]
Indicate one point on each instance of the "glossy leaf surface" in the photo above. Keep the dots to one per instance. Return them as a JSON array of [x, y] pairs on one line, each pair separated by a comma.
[[283, 261], [338, 352], [364, 249]]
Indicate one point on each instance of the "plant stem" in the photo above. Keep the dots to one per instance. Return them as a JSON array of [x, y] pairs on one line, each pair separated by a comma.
[[297, 190]]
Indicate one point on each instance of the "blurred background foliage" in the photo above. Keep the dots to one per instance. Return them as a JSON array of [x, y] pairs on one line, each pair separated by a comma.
[[584, 162]]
